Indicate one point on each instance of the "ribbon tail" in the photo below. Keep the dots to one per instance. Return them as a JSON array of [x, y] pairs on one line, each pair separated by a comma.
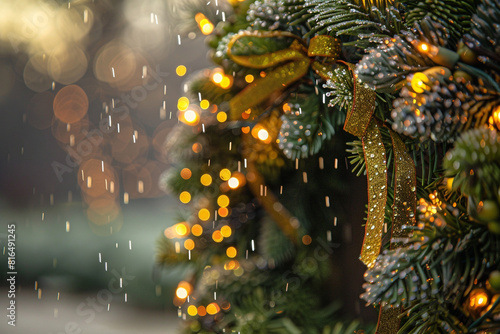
[[403, 213], [376, 171], [405, 197], [262, 89], [388, 321]]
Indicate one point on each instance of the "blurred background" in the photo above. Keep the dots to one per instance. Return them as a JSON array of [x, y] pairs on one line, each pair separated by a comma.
[[88, 94], [89, 91]]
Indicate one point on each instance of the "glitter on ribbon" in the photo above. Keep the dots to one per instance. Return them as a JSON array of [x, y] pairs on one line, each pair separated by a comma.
[[377, 193], [359, 116], [403, 213], [405, 197], [296, 59], [388, 321]]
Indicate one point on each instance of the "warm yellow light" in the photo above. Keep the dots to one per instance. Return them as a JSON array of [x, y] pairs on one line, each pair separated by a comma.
[[418, 82], [423, 47], [222, 117], [478, 299], [207, 27], [263, 134], [213, 308], [225, 174], [223, 201], [182, 103], [192, 310], [190, 116], [204, 214], [231, 252], [217, 236], [206, 180], [223, 212], [245, 129], [181, 229], [226, 82], [181, 70], [204, 104], [197, 230], [226, 231], [202, 311], [286, 107], [186, 173], [181, 293], [217, 77], [249, 78], [496, 117], [185, 197], [231, 265], [189, 244], [233, 183], [196, 147]]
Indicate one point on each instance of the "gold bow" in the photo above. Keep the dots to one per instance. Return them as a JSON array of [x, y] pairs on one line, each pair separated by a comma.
[[295, 62]]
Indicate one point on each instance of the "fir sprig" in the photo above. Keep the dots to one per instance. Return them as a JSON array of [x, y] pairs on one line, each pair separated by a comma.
[[359, 19]]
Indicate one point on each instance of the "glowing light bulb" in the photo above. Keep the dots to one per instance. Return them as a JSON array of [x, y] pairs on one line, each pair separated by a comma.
[[181, 293], [423, 47], [478, 299], [233, 183], [217, 77], [418, 82], [263, 134]]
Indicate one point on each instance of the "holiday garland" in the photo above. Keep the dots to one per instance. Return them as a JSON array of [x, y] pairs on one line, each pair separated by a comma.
[[418, 84]]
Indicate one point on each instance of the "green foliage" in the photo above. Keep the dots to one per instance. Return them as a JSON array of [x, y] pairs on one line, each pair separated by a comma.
[[454, 15], [439, 266], [357, 18], [448, 108], [386, 66], [275, 247], [307, 125], [484, 37], [474, 163]]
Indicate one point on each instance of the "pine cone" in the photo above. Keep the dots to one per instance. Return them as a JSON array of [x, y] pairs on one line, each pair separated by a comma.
[[443, 111]]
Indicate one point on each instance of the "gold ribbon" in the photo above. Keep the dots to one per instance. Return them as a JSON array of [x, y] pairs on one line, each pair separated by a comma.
[[403, 213], [376, 173], [295, 60], [359, 122], [405, 197]]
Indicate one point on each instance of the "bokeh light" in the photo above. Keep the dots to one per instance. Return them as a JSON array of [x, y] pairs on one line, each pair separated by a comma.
[[185, 197], [231, 252], [225, 174], [197, 230], [186, 173], [181, 70], [223, 201], [226, 231], [233, 182], [206, 180], [221, 116], [204, 214], [70, 104], [189, 244], [213, 308]]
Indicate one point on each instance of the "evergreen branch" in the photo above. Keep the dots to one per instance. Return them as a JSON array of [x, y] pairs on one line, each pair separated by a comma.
[[362, 19], [454, 15], [444, 250], [474, 163]]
